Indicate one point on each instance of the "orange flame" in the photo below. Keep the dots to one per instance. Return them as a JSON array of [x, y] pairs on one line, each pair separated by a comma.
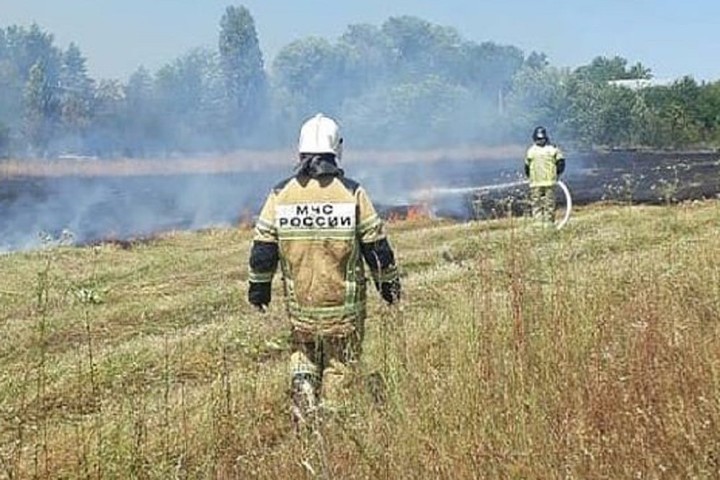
[[417, 212], [410, 213]]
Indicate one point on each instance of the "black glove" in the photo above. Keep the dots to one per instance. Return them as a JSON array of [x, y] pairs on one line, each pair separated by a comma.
[[259, 295], [390, 291], [560, 167], [527, 170]]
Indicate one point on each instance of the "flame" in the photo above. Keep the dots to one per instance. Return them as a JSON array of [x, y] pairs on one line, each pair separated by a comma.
[[417, 212], [409, 213], [394, 216]]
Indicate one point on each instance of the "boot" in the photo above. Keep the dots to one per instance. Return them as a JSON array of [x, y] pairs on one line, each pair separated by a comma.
[[304, 399]]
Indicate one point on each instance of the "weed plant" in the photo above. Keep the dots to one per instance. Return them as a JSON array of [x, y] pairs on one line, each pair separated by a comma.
[[593, 352]]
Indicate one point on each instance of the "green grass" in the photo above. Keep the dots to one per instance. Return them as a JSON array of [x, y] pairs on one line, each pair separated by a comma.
[[593, 352]]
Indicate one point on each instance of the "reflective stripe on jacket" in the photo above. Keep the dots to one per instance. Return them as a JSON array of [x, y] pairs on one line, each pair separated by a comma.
[[319, 226], [542, 163]]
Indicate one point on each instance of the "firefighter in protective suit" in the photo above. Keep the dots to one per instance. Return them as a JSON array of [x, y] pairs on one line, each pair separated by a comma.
[[319, 226], [544, 163]]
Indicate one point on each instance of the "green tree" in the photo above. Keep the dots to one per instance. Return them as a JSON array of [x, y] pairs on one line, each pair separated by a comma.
[[420, 114], [538, 96], [615, 116], [11, 86], [599, 113], [537, 61], [427, 49], [41, 109], [686, 91], [188, 94], [4, 141], [106, 136], [604, 69], [584, 109], [21, 49], [242, 66], [25, 47], [679, 111], [708, 111], [309, 71], [368, 57], [643, 122], [491, 67], [76, 95], [143, 125], [422, 49]]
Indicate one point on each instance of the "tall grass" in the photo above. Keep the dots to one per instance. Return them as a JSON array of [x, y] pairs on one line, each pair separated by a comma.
[[516, 353]]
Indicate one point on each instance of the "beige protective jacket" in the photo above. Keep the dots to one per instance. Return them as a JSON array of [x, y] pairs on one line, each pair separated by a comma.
[[542, 162], [319, 230]]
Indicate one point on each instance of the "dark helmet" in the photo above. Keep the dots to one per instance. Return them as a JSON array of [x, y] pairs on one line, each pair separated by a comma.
[[540, 134]]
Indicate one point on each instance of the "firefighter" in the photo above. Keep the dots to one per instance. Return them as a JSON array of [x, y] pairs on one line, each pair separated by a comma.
[[544, 163], [319, 226]]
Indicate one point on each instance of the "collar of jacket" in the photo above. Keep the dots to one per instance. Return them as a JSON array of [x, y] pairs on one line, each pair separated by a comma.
[[319, 166]]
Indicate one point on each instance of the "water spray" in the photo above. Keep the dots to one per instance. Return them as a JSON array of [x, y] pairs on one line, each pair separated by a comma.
[[454, 191]]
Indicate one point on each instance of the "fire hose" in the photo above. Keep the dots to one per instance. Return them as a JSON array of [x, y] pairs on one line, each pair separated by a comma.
[[456, 191], [560, 183], [568, 204]]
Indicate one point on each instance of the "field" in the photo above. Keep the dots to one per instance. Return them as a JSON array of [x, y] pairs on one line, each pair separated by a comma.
[[592, 352], [91, 201]]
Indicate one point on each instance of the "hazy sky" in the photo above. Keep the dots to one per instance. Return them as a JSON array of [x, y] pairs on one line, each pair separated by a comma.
[[672, 37]]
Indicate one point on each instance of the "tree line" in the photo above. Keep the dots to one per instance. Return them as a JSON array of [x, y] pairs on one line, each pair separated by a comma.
[[406, 83]]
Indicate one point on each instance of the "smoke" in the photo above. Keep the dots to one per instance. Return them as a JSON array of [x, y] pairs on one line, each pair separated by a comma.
[[37, 210], [406, 84], [97, 205]]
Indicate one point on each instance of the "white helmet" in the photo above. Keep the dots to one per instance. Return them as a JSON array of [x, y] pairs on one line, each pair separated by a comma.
[[320, 134]]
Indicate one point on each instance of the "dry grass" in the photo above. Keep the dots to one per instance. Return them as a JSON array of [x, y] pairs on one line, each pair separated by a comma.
[[240, 161], [517, 353]]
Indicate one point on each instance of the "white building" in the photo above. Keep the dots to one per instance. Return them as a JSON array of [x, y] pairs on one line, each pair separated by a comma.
[[640, 83]]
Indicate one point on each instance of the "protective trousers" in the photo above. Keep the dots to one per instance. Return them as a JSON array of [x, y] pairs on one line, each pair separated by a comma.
[[329, 360], [542, 200]]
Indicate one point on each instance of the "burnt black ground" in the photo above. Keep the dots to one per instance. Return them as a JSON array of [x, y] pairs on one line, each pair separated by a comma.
[[616, 176], [88, 209]]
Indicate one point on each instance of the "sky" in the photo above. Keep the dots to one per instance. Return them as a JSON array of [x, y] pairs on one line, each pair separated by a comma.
[[671, 37]]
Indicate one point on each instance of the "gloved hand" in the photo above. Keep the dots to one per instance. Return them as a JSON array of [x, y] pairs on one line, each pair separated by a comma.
[[259, 295], [391, 291], [527, 170]]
